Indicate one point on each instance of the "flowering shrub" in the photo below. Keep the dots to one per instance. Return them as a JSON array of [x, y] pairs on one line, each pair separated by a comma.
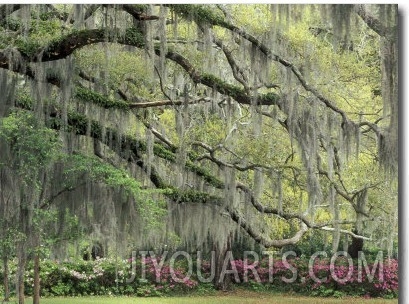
[[164, 278], [107, 277], [152, 276], [390, 285], [99, 277], [323, 279]]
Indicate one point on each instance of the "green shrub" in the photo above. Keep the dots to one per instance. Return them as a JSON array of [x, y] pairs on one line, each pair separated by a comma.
[[109, 277]]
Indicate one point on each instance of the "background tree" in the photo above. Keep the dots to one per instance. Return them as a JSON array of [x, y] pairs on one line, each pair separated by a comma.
[[274, 129]]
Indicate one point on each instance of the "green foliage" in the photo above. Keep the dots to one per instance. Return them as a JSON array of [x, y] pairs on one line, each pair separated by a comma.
[[44, 220], [33, 145], [324, 291], [269, 98], [78, 123], [314, 241], [222, 86], [99, 171], [40, 34], [96, 170], [134, 36], [205, 289], [24, 100], [8, 239], [192, 196], [115, 67], [205, 174], [45, 16], [28, 47], [245, 18], [199, 13], [108, 276], [163, 152], [11, 23], [210, 130], [99, 99]]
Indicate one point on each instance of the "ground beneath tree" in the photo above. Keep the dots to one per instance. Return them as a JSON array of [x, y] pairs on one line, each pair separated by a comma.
[[219, 297]]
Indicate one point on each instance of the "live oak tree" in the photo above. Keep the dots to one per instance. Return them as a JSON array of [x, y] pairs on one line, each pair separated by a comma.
[[211, 122]]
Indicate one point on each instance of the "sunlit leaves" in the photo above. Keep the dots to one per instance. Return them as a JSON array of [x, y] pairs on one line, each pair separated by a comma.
[[95, 170], [33, 145], [116, 66]]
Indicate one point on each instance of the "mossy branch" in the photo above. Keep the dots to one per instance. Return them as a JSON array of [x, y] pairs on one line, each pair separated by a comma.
[[7, 9], [87, 95], [64, 46], [204, 15], [372, 22]]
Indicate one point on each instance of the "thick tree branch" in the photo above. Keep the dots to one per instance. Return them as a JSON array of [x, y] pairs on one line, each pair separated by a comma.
[[160, 136], [238, 73], [371, 21], [123, 144], [65, 46], [264, 240], [138, 12], [344, 194], [356, 236], [211, 156], [92, 8], [47, 203], [161, 103], [204, 16], [217, 84], [269, 210], [7, 9]]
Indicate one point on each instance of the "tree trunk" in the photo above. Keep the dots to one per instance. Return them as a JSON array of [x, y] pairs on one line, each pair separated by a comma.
[[22, 252], [21, 256], [36, 291], [356, 246], [6, 278], [221, 281]]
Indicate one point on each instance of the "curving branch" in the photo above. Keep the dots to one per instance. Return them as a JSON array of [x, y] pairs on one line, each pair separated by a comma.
[[371, 21], [65, 46], [138, 12], [238, 73], [269, 210], [92, 8], [7, 9], [217, 84], [160, 136], [131, 150], [161, 103], [264, 240], [211, 156], [203, 16], [356, 236]]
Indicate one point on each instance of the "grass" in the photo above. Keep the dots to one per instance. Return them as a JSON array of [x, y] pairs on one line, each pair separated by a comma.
[[242, 297]]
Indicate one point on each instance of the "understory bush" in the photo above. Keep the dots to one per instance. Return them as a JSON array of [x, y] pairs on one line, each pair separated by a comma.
[[154, 277], [321, 277]]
